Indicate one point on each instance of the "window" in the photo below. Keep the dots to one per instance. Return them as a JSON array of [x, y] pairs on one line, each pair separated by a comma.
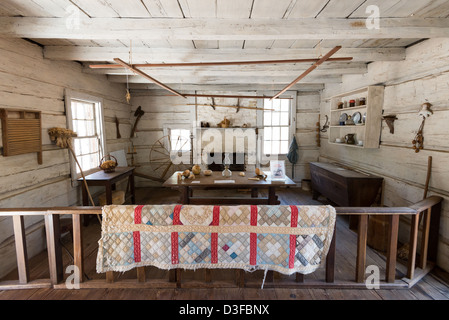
[[85, 117], [277, 126], [180, 140]]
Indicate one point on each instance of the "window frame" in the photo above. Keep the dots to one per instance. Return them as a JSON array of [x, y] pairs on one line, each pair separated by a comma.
[[292, 119], [71, 95]]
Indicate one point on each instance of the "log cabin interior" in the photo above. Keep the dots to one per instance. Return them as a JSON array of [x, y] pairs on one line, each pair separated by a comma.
[[224, 149]]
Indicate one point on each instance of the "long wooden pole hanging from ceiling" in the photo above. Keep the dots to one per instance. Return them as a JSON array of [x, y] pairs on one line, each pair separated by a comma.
[[143, 74], [222, 63], [302, 76]]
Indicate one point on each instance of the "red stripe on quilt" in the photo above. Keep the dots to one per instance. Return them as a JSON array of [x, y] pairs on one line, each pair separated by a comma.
[[176, 215], [253, 238], [136, 234], [175, 236], [174, 248], [214, 236], [294, 224]]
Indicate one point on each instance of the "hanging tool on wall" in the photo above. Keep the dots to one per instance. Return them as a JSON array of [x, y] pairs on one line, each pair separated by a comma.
[[138, 114], [117, 125]]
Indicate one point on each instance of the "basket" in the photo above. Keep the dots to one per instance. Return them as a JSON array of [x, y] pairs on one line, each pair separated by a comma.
[[108, 166]]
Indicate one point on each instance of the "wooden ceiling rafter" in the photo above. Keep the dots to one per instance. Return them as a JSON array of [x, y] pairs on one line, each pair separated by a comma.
[[143, 74], [308, 71], [318, 62], [220, 63]]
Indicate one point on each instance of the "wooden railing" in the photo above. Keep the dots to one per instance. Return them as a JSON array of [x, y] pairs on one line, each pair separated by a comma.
[[427, 210]]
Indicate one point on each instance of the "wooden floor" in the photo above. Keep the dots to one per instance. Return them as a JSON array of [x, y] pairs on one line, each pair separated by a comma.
[[433, 287]]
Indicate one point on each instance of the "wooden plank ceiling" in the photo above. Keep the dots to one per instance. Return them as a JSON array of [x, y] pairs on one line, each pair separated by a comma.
[[174, 31]]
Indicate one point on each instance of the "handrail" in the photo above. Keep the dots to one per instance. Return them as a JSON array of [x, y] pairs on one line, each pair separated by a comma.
[[427, 210]]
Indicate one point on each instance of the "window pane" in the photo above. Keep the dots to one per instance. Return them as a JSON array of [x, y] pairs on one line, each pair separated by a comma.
[[276, 118], [284, 133], [276, 133], [268, 133], [284, 147], [275, 147], [180, 140], [285, 105], [277, 105], [285, 121]]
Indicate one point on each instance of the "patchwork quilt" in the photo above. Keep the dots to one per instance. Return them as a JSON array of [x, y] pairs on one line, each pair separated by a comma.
[[286, 239]]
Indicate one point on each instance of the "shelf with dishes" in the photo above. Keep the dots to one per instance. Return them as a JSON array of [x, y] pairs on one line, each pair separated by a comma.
[[359, 114], [345, 119]]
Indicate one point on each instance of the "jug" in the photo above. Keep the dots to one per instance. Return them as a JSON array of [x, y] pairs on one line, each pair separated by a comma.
[[350, 138]]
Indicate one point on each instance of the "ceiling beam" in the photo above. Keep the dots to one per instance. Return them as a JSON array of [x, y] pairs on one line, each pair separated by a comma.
[[272, 88], [212, 79], [218, 63], [280, 70], [175, 55], [220, 29]]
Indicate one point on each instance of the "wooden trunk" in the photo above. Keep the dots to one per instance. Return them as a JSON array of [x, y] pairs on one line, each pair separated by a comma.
[[346, 188]]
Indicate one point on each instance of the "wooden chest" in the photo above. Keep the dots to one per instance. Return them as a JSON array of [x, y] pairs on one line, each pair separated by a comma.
[[344, 187]]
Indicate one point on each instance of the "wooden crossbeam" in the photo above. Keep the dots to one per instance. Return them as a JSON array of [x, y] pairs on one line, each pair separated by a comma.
[[308, 71], [143, 74], [220, 63]]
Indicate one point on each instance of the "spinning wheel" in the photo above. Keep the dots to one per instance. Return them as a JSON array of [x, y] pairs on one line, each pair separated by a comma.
[[168, 156]]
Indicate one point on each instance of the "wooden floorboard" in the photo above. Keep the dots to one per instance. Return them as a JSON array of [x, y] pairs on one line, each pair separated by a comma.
[[432, 287]]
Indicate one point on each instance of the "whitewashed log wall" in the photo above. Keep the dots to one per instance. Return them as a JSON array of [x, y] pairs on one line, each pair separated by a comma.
[[161, 110], [28, 81], [422, 77]]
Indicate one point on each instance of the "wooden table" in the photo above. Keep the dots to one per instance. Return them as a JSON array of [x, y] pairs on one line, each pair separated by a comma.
[[108, 180], [201, 181]]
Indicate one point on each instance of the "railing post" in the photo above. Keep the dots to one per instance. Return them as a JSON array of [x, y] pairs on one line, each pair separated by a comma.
[[78, 245], [425, 238], [361, 248], [413, 245], [330, 259], [392, 248], [21, 249], [54, 248]]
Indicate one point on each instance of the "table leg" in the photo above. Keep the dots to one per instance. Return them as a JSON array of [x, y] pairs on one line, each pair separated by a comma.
[[272, 198], [133, 188], [185, 194], [108, 194]]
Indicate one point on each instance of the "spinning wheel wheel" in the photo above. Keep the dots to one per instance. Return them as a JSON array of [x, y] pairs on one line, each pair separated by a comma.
[[168, 156]]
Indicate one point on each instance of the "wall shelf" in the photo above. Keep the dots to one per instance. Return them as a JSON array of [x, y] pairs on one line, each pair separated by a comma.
[[369, 133]]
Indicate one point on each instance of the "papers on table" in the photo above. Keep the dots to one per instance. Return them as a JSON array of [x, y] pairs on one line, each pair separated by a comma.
[[224, 181]]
